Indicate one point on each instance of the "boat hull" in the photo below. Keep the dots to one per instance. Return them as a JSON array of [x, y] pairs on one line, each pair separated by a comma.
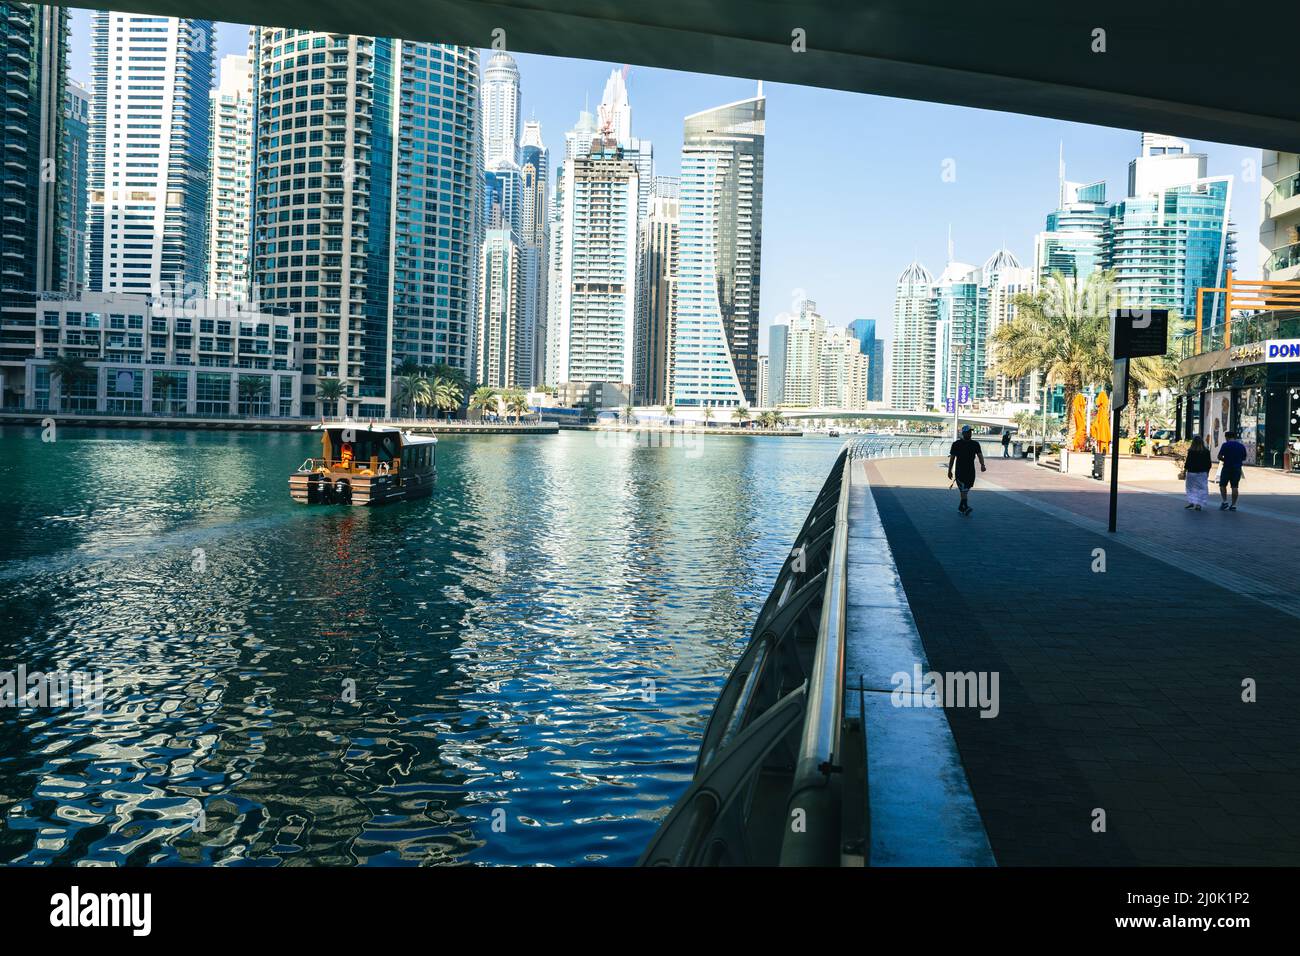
[[317, 488]]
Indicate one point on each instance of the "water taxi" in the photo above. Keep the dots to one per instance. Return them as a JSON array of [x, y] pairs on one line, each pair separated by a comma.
[[364, 464]]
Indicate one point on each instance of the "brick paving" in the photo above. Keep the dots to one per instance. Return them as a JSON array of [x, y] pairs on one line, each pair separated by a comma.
[[1118, 690]]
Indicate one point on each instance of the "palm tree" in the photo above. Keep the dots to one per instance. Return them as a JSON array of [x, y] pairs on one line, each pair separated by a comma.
[[449, 373], [70, 370], [331, 390], [253, 392], [407, 367], [484, 397], [447, 393], [708, 413], [1061, 330], [740, 414], [669, 410], [164, 385], [628, 412], [777, 418], [412, 390], [517, 402]]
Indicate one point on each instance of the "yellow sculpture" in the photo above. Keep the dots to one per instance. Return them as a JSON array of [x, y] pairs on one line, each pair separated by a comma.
[[1101, 423], [1078, 423]]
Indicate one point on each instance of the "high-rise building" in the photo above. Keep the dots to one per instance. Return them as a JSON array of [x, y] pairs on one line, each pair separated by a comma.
[[961, 323], [231, 181], [1279, 227], [913, 367], [534, 169], [1003, 279], [594, 325], [500, 109], [77, 117], [659, 242], [437, 225], [149, 142], [1171, 235], [763, 369], [778, 347], [864, 330], [500, 309], [803, 357], [715, 353], [35, 186], [367, 225], [1072, 241], [842, 373]]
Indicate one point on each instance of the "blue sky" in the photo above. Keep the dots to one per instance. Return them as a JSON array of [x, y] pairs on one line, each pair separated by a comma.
[[853, 183]]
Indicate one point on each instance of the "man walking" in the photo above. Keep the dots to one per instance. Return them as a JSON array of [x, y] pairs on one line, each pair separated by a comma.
[[1006, 444], [964, 451], [1232, 454]]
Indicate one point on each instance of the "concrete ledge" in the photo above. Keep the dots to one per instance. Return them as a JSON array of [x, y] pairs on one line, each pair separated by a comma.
[[920, 806]]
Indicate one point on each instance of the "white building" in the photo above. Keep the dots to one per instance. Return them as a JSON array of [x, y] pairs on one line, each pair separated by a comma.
[[500, 312], [803, 357], [1004, 279], [913, 366], [715, 349], [593, 328], [842, 376], [1279, 227], [151, 78], [500, 109], [178, 357], [231, 180]]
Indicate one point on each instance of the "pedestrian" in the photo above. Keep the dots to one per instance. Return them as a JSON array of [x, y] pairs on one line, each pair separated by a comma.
[[1232, 454], [1006, 444], [1196, 472], [964, 451]]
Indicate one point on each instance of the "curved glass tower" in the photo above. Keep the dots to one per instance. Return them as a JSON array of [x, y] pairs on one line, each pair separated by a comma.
[[715, 353]]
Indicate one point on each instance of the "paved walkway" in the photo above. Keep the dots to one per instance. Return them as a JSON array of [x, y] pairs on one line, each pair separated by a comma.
[[1121, 690]]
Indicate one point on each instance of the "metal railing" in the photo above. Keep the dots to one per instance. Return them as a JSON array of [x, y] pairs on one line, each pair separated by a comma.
[[773, 739], [778, 746]]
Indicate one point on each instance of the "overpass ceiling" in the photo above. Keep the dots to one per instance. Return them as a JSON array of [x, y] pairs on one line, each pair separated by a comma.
[[1213, 72]]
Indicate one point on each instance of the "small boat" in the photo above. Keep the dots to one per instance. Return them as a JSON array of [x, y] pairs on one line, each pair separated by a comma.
[[834, 433], [364, 464]]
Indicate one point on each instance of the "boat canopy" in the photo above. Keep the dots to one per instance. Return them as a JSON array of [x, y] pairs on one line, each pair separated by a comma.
[[408, 438]]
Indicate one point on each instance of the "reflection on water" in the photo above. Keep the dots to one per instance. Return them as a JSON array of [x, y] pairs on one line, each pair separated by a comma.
[[514, 671]]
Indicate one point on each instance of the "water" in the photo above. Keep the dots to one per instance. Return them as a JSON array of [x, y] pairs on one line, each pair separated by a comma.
[[534, 650]]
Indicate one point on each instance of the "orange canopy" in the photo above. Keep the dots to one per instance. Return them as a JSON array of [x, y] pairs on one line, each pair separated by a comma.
[[1101, 423], [1078, 423]]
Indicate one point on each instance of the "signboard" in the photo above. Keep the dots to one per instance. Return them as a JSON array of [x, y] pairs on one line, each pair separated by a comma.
[[963, 394], [1282, 350], [1135, 333], [1119, 384], [950, 406]]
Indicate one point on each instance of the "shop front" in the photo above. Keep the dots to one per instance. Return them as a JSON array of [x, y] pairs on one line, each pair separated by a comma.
[[1252, 389]]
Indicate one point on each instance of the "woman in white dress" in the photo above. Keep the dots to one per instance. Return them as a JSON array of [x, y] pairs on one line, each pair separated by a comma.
[[1197, 470]]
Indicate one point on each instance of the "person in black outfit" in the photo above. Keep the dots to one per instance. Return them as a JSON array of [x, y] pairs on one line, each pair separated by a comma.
[[964, 451], [1196, 471], [1006, 444]]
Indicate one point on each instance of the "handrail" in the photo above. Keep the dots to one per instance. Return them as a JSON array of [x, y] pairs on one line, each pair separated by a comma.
[[819, 750]]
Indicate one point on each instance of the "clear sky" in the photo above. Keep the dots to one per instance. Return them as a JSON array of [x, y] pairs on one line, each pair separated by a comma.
[[854, 183]]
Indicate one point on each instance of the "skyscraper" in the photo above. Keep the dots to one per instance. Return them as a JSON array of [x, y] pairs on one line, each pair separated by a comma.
[[534, 169], [803, 356], [864, 330], [778, 346], [594, 326], [1171, 235], [1004, 278], [231, 180], [500, 109], [659, 241], [367, 205], [77, 115], [961, 328], [913, 366], [149, 142], [716, 348], [36, 181], [499, 310], [1072, 241], [842, 373]]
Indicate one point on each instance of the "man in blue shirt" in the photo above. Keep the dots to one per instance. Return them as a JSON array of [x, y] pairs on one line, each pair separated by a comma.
[[1232, 454]]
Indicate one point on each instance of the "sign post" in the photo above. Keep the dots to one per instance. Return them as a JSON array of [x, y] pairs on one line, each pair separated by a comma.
[[1134, 333]]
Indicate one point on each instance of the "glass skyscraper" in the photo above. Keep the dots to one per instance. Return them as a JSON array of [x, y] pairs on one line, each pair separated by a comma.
[[864, 330], [148, 211], [715, 352]]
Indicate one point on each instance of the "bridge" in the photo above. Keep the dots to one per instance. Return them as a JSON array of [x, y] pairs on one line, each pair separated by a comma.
[[965, 417]]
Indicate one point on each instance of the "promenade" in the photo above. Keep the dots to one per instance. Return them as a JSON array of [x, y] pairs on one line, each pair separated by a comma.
[[1120, 689]]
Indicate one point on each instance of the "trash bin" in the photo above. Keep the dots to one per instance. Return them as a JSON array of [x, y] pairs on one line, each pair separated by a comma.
[[1018, 449], [1099, 465]]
